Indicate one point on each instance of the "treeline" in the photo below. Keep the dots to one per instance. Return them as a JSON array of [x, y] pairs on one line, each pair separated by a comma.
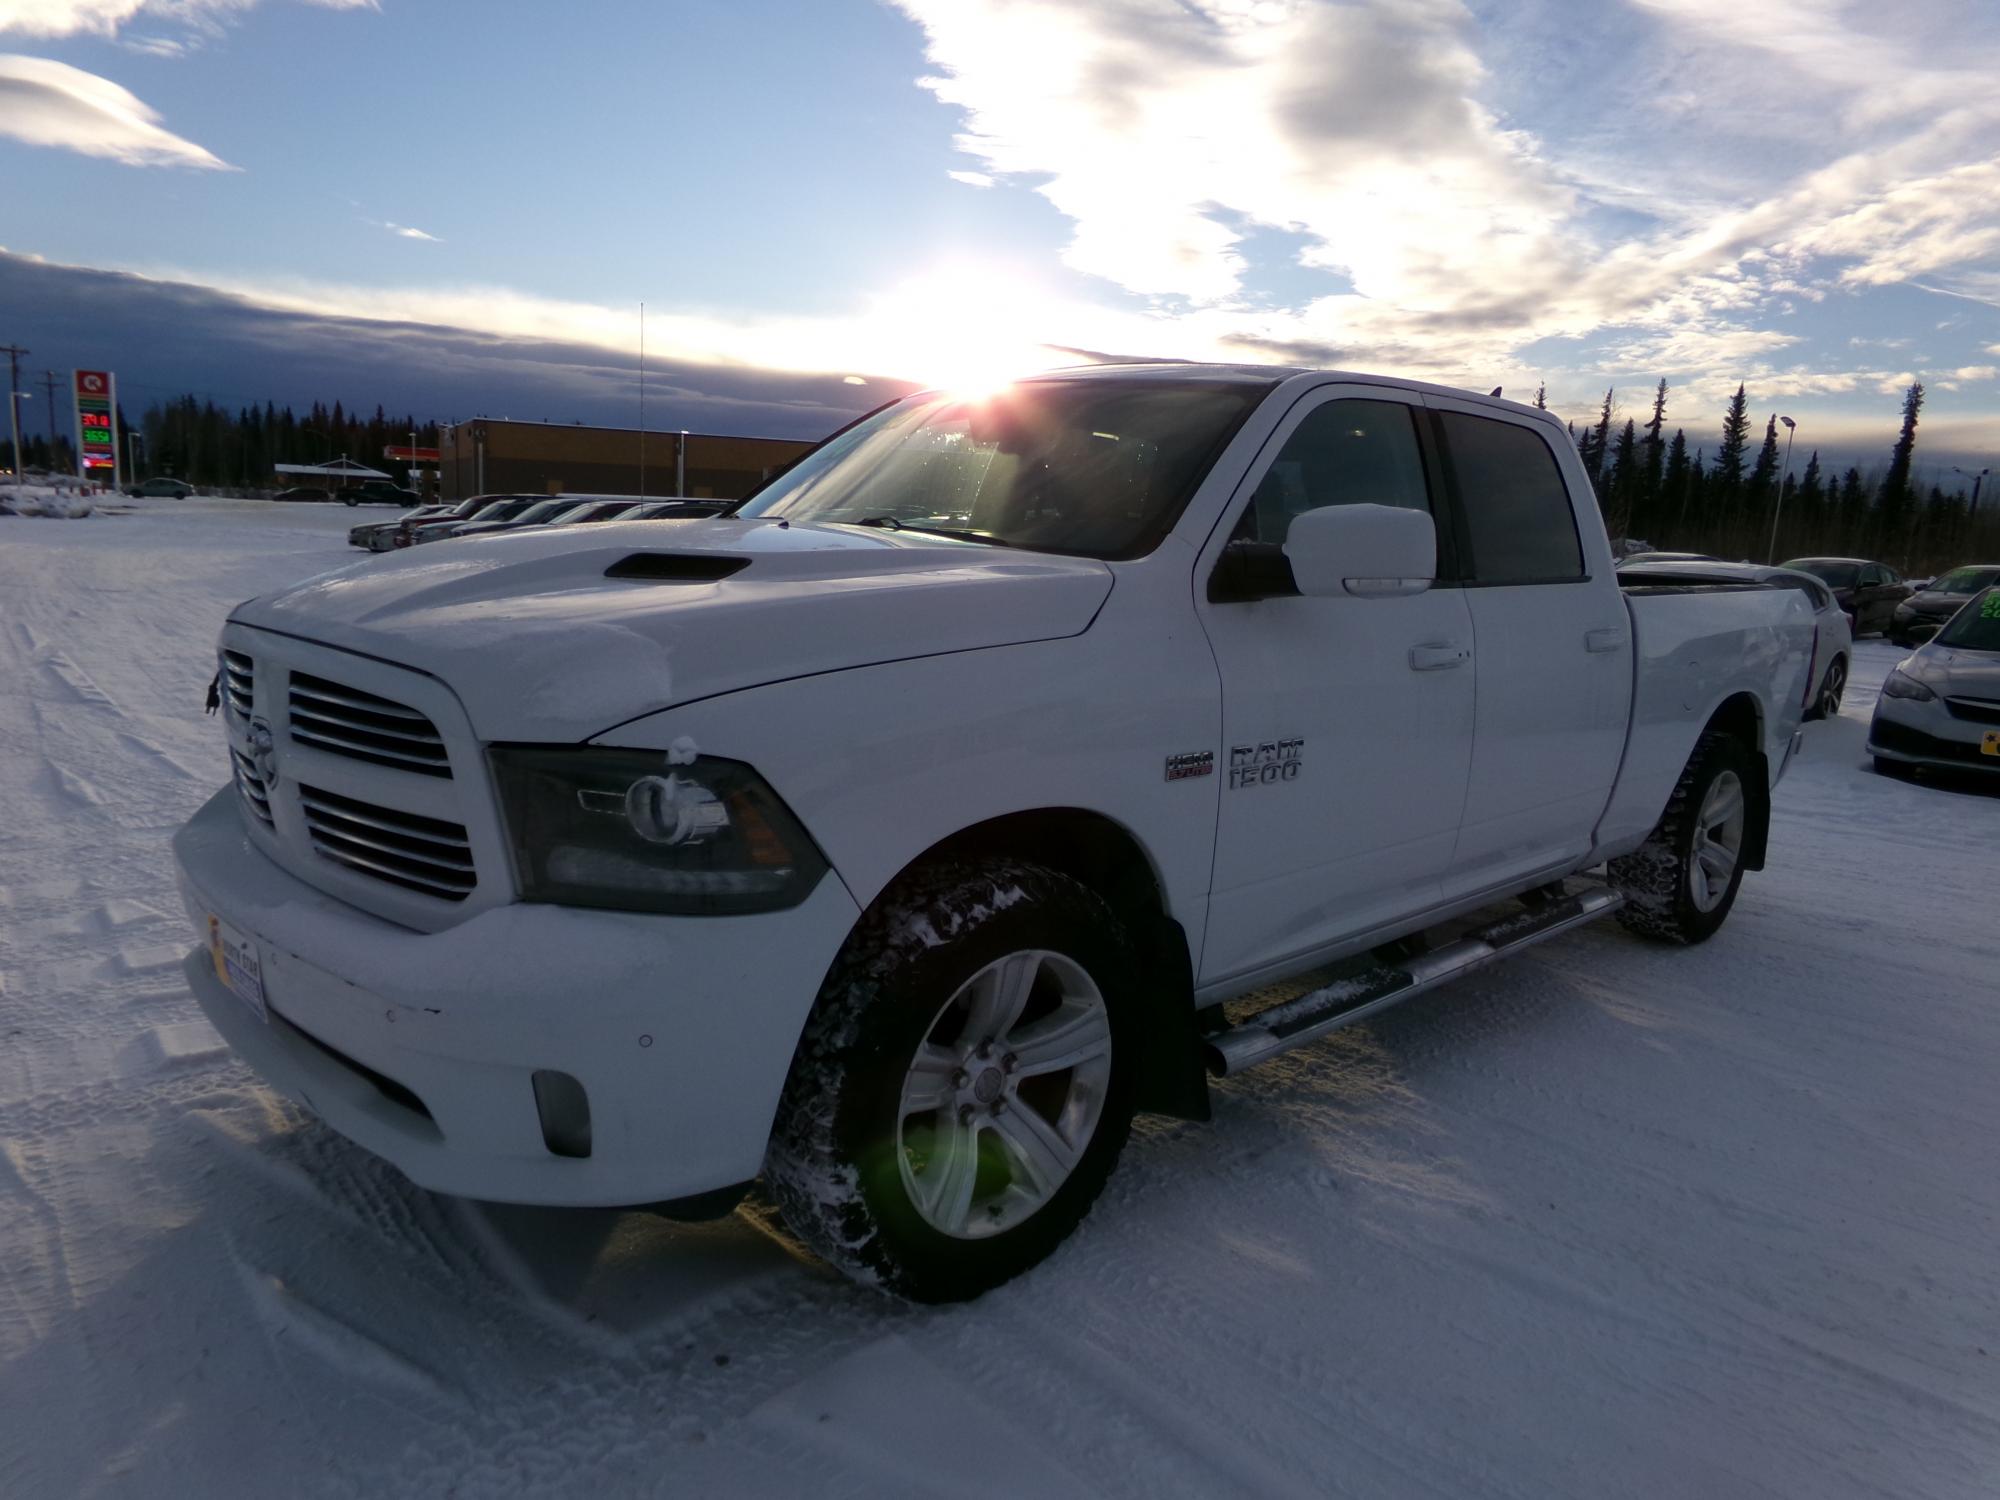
[[1724, 500], [208, 445]]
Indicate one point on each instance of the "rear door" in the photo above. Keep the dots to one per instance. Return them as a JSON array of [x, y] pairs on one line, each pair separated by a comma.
[[1554, 644], [1347, 722]]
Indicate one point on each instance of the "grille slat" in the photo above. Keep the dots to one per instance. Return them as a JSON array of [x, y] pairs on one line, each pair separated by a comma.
[[1974, 710], [251, 785], [347, 721], [238, 679], [407, 849]]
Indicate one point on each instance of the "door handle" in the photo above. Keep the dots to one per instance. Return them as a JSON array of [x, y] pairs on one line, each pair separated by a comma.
[[1609, 639], [1435, 657]]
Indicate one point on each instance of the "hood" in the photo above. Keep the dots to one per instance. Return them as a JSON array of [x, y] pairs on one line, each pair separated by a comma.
[[1928, 603], [540, 645], [1956, 672]]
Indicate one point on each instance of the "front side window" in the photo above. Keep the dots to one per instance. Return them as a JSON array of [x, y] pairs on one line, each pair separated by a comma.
[[1093, 467], [1346, 452], [1518, 520]]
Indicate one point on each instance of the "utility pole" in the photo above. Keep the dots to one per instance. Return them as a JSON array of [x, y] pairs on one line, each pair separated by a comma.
[[642, 400], [49, 381], [14, 357]]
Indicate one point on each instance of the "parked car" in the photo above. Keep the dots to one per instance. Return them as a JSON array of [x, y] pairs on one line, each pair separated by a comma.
[[1833, 638], [539, 513], [446, 526], [595, 510], [304, 493], [406, 531], [161, 489], [378, 492], [1868, 591], [677, 510], [369, 532], [900, 834], [1941, 705], [1926, 610]]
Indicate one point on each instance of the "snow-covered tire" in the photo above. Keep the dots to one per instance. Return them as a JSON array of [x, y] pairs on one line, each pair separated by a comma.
[[848, 1155], [1676, 887]]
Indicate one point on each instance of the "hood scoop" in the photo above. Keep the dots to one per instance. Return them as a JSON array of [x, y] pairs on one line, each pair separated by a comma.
[[676, 567]]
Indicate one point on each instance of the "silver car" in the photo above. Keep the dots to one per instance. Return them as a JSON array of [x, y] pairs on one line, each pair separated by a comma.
[[1941, 705]]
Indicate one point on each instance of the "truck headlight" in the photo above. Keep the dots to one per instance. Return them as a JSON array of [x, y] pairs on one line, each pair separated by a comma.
[[627, 829], [1901, 684]]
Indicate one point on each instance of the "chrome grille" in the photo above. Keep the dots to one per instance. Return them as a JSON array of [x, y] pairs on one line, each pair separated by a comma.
[[406, 849], [256, 796], [236, 682], [343, 720], [1974, 710]]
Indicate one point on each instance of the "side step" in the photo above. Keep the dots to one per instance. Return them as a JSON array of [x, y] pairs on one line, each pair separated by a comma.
[[1345, 1001]]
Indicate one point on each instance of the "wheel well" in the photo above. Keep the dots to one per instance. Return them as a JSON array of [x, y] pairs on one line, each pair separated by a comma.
[[1084, 845], [1740, 718], [1104, 855]]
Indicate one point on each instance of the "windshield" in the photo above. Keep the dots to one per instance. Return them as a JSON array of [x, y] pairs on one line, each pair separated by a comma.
[[541, 510], [1835, 575], [1091, 467], [1965, 581], [1976, 627]]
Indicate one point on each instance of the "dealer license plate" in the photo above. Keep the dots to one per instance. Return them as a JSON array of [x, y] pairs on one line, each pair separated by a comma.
[[1989, 744], [237, 964]]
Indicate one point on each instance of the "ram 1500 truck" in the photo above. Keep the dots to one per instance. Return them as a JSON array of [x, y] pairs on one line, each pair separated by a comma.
[[898, 836]]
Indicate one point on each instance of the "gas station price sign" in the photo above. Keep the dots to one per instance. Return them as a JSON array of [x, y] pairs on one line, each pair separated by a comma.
[[96, 429]]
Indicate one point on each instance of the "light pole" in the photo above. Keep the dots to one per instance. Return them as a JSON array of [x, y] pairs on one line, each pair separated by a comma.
[[1977, 480], [1791, 431], [133, 436]]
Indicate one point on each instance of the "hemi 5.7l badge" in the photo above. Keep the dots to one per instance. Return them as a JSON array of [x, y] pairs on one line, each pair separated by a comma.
[[1267, 764], [1193, 763]]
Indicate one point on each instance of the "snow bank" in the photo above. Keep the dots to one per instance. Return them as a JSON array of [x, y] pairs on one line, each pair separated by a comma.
[[57, 501]]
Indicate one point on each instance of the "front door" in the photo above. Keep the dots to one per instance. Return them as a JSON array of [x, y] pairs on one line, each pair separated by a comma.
[[1347, 722]]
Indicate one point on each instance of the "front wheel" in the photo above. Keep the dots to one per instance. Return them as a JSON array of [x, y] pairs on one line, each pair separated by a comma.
[[963, 1086], [1680, 884]]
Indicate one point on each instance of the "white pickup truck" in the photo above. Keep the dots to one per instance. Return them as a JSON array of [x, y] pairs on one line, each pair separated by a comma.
[[897, 837]]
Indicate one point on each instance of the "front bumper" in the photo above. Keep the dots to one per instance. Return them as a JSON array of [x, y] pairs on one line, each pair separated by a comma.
[[421, 1047], [1928, 734]]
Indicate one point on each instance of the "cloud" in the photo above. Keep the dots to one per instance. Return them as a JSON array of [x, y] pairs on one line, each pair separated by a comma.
[[971, 179], [105, 18], [47, 103], [408, 233], [1377, 136]]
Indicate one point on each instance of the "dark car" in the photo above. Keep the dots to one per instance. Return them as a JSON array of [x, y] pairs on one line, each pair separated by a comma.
[[405, 531], [1640, 559], [505, 508], [304, 492], [594, 510], [378, 492], [1868, 591], [162, 489], [1925, 611]]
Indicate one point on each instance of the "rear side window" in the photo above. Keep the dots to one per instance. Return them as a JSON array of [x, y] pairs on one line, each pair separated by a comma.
[[1517, 513]]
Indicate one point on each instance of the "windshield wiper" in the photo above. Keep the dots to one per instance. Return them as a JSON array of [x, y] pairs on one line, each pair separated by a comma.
[[956, 533]]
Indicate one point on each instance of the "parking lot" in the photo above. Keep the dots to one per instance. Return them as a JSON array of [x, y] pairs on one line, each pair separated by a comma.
[[1612, 1219]]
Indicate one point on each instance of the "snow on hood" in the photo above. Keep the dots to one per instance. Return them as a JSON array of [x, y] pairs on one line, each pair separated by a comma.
[[540, 645]]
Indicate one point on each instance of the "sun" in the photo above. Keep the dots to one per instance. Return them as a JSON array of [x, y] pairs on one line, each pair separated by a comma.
[[965, 329]]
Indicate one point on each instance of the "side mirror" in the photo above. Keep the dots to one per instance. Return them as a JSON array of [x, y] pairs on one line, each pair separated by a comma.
[[1362, 551]]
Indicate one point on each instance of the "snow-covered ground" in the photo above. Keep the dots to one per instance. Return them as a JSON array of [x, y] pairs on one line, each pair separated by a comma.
[[1611, 1220]]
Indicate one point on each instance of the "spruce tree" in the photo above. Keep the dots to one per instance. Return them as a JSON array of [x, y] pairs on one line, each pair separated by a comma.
[[1656, 447], [1622, 483], [1764, 474], [1596, 443], [1727, 471], [1896, 495], [1542, 396]]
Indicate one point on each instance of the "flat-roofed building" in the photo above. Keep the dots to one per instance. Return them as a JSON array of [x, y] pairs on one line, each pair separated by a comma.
[[492, 455]]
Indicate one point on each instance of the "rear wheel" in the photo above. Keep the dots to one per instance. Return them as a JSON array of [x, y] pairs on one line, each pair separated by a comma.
[[1680, 884], [1831, 689], [963, 1086]]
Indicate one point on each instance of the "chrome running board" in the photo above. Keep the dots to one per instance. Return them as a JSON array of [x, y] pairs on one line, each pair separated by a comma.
[[1267, 1033]]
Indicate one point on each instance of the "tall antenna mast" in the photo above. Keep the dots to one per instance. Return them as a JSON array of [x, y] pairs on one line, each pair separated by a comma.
[[642, 400]]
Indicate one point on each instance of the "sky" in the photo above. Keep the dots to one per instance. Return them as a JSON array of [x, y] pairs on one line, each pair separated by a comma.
[[1801, 195]]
